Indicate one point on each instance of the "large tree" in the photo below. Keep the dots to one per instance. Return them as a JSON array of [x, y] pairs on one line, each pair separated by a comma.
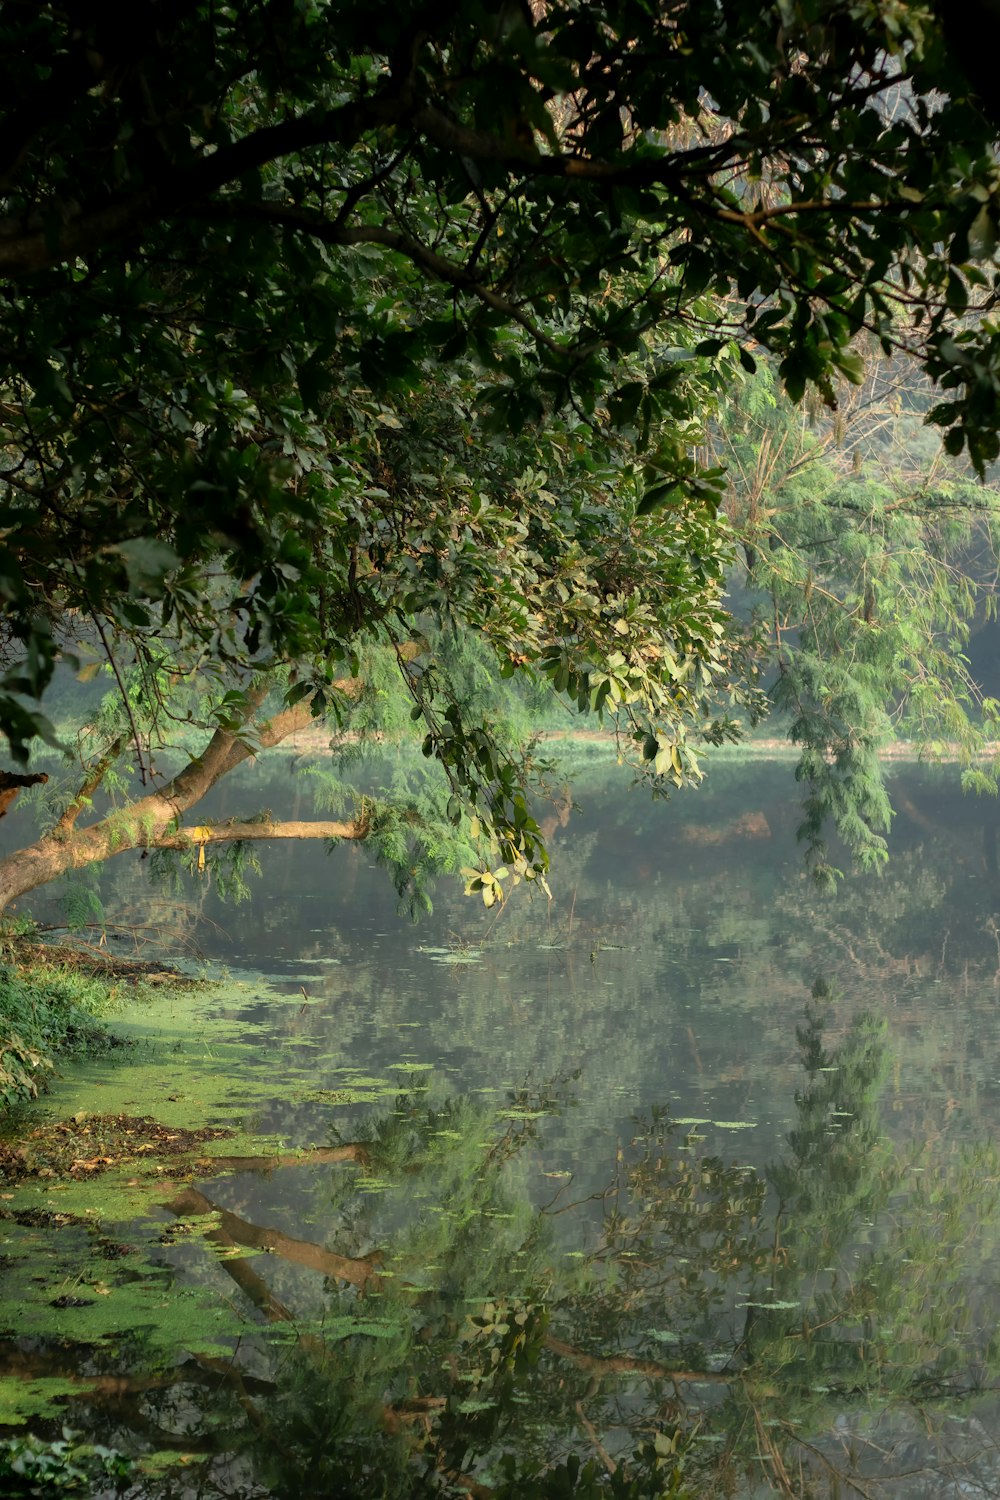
[[245, 248], [869, 561]]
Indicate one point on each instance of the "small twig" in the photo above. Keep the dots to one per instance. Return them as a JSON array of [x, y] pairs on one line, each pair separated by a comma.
[[144, 774]]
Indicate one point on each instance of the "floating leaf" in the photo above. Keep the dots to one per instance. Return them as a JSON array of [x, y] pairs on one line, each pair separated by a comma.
[[772, 1306]]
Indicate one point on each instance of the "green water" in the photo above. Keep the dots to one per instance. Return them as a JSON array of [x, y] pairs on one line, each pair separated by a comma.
[[693, 1162]]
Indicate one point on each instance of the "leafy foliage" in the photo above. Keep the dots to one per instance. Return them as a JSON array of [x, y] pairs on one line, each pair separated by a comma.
[[329, 324], [43, 1012], [30, 1466], [868, 562]]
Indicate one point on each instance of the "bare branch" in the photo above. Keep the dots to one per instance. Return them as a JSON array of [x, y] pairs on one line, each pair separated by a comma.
[[234, 833]]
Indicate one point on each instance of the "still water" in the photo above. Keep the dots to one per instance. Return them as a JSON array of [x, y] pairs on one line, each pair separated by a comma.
[[679, 1185]]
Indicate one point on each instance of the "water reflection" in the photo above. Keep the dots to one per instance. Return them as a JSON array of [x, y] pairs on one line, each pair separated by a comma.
[[456, 1322], [732, 1327], [731, 1248]]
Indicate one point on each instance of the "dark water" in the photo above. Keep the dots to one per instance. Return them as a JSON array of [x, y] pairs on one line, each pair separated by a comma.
[[682, 1181]]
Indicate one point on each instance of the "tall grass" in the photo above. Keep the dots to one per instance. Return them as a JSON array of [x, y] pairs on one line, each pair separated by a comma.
[[44, 1012]]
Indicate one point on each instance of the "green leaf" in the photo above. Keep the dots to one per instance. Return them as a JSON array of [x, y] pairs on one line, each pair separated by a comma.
[[147, 562]]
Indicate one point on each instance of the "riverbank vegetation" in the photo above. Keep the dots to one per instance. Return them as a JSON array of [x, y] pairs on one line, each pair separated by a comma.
[[53, 1005]]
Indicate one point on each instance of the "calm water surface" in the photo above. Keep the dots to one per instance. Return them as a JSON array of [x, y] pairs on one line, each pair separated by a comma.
[[692, 1163]]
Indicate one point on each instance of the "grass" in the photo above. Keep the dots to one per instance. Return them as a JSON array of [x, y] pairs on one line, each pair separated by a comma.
[[46, 1010]]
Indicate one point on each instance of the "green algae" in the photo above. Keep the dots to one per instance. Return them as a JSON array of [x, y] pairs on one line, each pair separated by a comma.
[[145, 1319], [66, 1280], [196, 1061], [94, 1259], [355, 1094], [24, 1400], [157, 1319]]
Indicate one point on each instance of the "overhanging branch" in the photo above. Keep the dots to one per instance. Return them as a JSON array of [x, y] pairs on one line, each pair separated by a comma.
[[233, 833], [61, 231], [58, 233], [333, 232]]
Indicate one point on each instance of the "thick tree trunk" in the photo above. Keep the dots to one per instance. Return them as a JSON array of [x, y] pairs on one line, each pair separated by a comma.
[[156, 821]]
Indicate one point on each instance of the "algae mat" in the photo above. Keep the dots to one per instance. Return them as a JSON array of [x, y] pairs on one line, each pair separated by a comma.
[[105, 1278]]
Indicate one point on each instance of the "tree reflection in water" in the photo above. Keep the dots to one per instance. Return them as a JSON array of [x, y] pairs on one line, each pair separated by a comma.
[[697, 1328]]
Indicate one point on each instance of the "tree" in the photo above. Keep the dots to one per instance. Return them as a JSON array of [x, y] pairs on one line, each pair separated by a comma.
[[240, 245], [613, 610], [868, 561]]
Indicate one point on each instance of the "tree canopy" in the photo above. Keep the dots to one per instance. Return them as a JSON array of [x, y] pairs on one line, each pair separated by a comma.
[[331, 327]]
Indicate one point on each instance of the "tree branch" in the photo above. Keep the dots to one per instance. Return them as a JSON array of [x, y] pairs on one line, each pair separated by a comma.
[[58, 232], [360, 1271], [233, 833], [203, 771], [96, 1389], [333, 232], [156, 820], [90, 785], [271, 733], [325, 1155], [34, 242]]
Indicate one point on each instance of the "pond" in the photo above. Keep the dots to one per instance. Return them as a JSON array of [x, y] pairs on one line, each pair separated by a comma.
[[681, 1184]]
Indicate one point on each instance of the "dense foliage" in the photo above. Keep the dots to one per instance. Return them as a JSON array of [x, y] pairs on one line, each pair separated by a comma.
[[870, 563], [329, 324]]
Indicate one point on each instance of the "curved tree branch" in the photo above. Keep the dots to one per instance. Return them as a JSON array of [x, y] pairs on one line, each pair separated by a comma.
[[47, 237]]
